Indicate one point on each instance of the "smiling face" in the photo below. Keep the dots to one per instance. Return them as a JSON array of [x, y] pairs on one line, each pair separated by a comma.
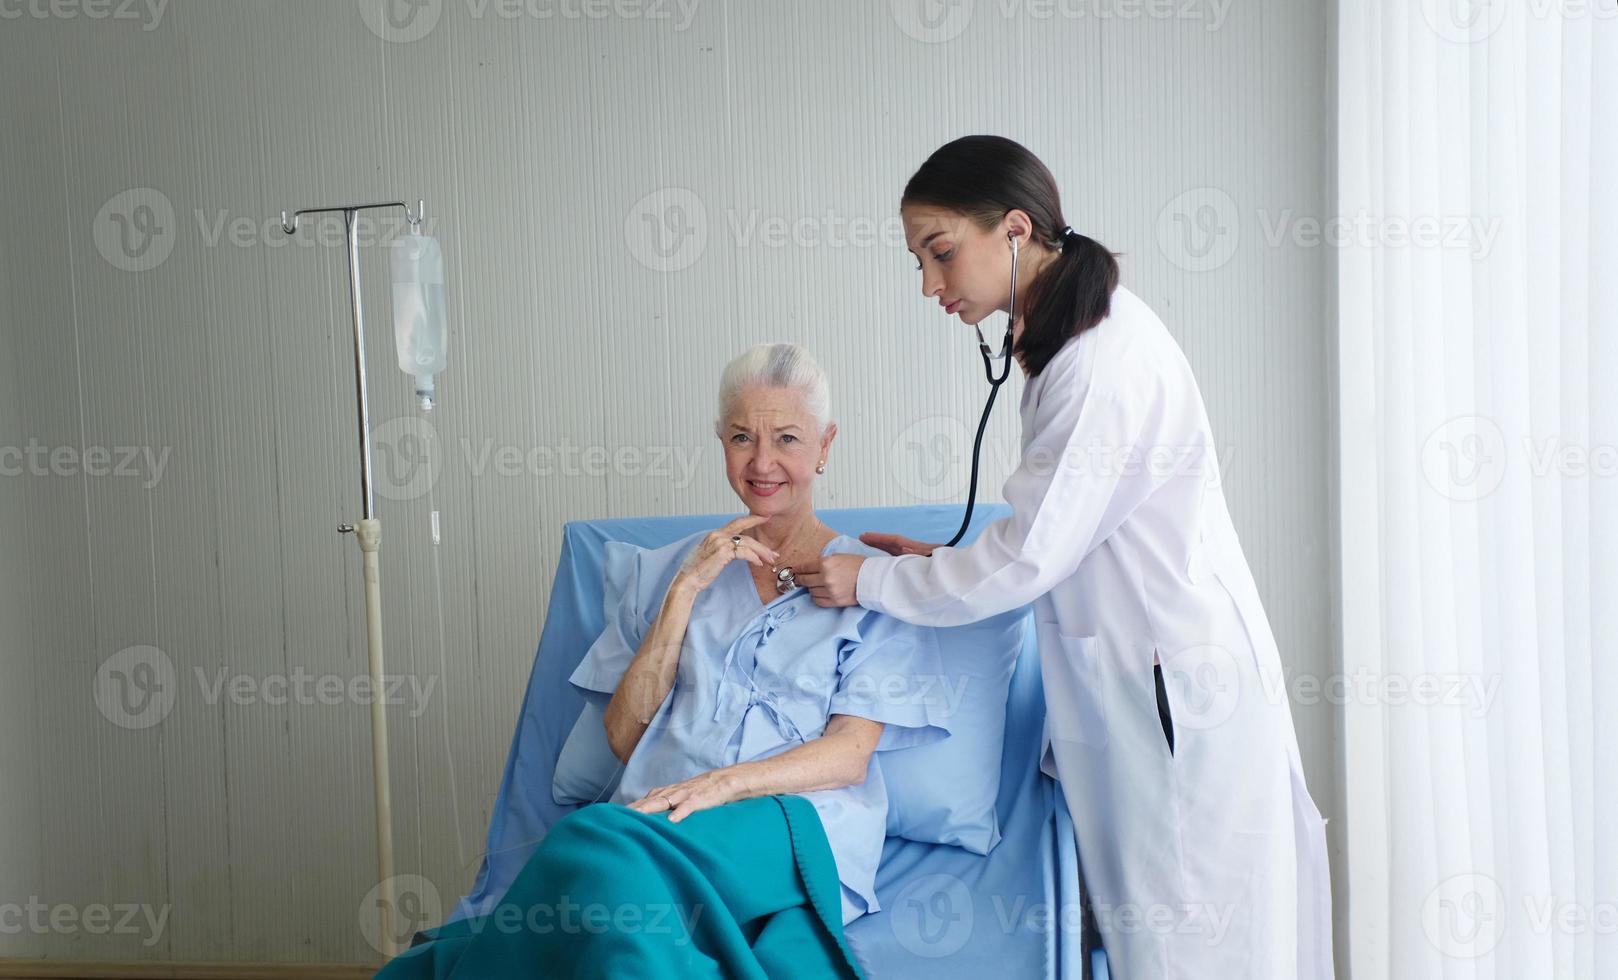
[[772, 445], [964, 267]]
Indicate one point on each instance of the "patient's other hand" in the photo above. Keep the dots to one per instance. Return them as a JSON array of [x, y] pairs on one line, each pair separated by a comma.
[[898, 544], [713, 788]]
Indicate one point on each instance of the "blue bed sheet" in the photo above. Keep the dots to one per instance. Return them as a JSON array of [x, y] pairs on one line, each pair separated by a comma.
[[946, 912]]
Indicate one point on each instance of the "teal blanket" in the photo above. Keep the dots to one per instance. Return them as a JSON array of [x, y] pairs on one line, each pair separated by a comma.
[[745, 890]]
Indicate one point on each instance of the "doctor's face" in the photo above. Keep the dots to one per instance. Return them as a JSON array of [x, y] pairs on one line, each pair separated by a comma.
[[964, 267], [772, 445]]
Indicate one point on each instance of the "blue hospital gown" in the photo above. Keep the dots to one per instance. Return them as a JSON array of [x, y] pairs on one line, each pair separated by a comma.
[[757, 679]]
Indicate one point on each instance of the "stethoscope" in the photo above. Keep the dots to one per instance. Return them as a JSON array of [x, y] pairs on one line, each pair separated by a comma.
[[994, 389]]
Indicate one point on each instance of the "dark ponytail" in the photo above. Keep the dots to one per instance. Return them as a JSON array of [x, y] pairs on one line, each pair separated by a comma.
[[984, 178]]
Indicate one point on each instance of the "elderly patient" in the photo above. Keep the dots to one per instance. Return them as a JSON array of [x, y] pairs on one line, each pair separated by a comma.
[[749, 818]]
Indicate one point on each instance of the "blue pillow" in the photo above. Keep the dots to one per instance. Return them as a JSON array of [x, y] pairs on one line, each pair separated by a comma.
[[945, 792], [586, 770]]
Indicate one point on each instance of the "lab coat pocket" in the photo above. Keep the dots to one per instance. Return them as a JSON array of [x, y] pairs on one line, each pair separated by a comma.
[[1075, 703], [1047, 758]]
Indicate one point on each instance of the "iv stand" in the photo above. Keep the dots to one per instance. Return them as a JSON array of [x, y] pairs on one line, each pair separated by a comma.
[[369, 535]]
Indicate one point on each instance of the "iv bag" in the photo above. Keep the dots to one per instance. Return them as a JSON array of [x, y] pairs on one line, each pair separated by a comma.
[[420, 326]]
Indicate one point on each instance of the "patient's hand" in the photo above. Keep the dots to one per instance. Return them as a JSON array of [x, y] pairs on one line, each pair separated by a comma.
[[839, 756], [713, 788], [720, 548]]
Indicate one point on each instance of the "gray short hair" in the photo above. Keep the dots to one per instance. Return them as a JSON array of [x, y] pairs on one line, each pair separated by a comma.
[[776, 366]]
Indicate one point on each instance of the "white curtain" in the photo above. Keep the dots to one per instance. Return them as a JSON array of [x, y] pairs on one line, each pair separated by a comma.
[[1478, 427]]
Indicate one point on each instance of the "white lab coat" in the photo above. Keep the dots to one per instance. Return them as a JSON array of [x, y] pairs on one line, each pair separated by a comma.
[[1209, 862]]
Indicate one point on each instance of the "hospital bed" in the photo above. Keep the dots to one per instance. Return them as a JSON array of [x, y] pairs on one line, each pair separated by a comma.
[[947, 913]]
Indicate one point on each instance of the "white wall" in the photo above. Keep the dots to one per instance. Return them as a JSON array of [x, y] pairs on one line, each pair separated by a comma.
[[535, 142]]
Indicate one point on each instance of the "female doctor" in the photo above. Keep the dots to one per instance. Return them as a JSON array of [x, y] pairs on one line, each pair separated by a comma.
[[1202, 853]]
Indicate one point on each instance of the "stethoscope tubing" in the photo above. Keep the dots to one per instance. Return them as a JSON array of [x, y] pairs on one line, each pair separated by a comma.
[[994, 389]]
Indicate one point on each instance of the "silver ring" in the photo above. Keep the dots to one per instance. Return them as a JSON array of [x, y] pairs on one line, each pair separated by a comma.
[[736, 539]]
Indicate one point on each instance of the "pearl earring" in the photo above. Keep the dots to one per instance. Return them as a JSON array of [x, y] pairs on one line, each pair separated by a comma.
[[820, 467]]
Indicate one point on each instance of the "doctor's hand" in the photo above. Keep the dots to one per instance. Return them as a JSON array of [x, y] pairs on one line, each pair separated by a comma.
[[898, 544], [831, 580]]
